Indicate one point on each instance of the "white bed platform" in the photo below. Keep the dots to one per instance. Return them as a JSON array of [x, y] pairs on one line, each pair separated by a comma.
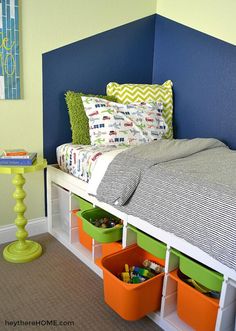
[[61, 188]]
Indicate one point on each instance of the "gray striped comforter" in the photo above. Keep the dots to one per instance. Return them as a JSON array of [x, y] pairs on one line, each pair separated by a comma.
[[186, 187]]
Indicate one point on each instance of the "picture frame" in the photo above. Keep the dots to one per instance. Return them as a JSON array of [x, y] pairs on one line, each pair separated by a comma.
[[9, 50]]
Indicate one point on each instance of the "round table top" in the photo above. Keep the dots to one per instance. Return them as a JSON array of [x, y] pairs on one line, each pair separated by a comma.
[[39, 164]]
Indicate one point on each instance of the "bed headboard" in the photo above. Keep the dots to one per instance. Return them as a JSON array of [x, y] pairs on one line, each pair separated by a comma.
[[150, 50]]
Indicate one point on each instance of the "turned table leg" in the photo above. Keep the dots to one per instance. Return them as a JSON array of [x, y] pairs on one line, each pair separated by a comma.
[[21, 250]]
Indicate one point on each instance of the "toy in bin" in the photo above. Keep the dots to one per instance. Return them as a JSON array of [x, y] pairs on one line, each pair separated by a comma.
[[101, 225], [106, 222], [204, 290], [153, 266], [136, 275]]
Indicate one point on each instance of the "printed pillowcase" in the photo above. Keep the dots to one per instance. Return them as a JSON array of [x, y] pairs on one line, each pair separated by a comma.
[[112, 123], [128, 93], [78, 119]]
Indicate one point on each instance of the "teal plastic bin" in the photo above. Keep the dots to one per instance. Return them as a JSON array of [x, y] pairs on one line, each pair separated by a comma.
[[200, 273], [99, 234], [150, 244]]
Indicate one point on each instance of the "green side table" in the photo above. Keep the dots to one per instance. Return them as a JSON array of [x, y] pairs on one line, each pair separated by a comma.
[[22, 250]]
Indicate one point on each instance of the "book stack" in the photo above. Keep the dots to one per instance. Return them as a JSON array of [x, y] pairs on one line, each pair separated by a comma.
[[17, 157]]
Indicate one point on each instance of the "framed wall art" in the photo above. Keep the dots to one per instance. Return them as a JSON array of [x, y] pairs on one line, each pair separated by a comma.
[[9, 50]]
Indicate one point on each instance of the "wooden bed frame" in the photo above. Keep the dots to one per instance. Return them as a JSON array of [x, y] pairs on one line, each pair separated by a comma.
[[61, 188]]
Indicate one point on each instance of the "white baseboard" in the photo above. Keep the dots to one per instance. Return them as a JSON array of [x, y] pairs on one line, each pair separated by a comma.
[[33, 227]]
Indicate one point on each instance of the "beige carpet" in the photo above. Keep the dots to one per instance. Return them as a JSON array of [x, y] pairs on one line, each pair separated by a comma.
[[57, 287]]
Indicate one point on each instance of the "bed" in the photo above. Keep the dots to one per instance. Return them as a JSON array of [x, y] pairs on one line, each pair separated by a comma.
[[185, 187], [202, 109], [175, 224], [179, 191]]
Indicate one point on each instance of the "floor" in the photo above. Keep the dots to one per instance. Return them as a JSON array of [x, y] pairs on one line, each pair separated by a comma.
[[57, 292]]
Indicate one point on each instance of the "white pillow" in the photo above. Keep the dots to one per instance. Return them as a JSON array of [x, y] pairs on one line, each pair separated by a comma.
[[118, 124]]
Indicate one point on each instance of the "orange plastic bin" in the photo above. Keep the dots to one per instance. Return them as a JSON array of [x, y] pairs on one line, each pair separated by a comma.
[[131, 301], [194, 308], [110, 248], [84, 238]]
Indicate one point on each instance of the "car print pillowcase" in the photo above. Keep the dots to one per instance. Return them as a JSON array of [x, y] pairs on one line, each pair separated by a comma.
[[112, 123], [127, 93]]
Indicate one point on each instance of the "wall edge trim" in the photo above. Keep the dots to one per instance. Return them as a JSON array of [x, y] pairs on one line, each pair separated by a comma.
[[195, 29], [34, 227]]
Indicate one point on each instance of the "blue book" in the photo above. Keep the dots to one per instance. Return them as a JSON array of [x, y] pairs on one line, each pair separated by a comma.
[[20, 161]]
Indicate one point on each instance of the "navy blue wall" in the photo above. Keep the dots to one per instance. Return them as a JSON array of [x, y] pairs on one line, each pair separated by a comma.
[[203, 70], [123, 54], [153, 49]]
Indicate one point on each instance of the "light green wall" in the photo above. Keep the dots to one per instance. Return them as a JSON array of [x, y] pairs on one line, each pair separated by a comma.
[[46, 25], [214, 17]]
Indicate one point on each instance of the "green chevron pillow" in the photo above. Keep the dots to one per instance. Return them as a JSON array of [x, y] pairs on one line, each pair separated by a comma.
[[78, 119], [128, 93]]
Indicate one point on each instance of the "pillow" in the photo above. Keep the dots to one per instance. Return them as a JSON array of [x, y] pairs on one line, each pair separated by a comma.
[[78, 119], [112, 123], [127, 93]]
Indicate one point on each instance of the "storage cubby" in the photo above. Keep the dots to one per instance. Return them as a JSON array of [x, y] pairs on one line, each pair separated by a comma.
[[82, 203], [131, 301], [193, 307], [93, 247], [186, 308], [81, 242], [83, 237], [102, 235], [199, 272], [66, 224], [60, 211], [150, 244], [169, 305], [110, 248]]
